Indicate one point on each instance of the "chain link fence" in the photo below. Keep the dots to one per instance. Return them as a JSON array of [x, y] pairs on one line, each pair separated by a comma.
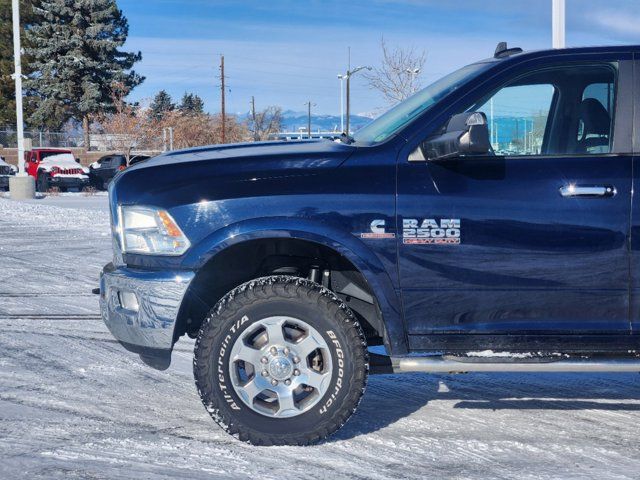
[[41, 138]]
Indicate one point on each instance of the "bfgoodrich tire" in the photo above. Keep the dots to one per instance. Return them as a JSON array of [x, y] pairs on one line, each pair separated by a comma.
[[280, 361]]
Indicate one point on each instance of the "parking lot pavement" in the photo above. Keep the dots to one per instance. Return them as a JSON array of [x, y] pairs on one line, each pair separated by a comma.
[[74, 404]]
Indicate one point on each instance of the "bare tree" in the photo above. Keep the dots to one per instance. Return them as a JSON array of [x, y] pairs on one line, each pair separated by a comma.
[[235, 131], [128, 127], [398, 76], [266, 122], [194, 130]]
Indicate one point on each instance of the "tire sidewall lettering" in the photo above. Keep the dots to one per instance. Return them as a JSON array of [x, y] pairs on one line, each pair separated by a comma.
[[337, 387], [222, 379]]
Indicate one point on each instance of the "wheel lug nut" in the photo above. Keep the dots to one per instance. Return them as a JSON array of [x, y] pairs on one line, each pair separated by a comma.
[[286, 351], [265, 373], [274, 382], [296, 359], [274, 351], [287, 382], [264, 360], [296, 372]]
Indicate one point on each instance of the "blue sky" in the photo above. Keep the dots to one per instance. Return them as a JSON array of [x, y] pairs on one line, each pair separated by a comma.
[[285, 52]]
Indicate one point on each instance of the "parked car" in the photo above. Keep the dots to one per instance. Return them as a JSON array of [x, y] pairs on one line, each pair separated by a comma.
[[56, 167], [6, 171], [288, 261], [105, 168]]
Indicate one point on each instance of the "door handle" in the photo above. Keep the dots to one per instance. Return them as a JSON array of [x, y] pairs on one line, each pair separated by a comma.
[[593, 191]]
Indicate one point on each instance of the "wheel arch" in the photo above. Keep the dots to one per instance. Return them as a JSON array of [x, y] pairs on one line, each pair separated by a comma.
[[243, 252]]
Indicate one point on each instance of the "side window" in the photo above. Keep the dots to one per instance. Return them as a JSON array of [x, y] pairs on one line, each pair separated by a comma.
[[111, 162], [595, 125], [557, 110], [517, 117]]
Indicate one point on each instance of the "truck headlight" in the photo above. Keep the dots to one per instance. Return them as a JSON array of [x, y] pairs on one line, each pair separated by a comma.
[[150, 231]]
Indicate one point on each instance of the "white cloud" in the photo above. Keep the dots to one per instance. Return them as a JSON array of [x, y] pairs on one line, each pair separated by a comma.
[[622, 23]]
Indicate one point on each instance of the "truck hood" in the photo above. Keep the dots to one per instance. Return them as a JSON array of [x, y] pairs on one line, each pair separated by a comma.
[[221, 171], [261, 155], [64, 161]]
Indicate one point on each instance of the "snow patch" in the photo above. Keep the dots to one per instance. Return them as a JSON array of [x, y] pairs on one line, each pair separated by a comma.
[[491, 353]]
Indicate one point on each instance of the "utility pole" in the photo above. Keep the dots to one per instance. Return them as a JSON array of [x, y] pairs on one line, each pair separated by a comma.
[[253, 117], [558, 23], [222, 111], [309, 105], [21, 186]]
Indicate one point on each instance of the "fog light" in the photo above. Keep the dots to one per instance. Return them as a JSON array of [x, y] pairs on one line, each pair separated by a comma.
[[128, 301]]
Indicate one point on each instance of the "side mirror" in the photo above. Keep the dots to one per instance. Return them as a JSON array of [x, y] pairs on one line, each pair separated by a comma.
[[465, 134]]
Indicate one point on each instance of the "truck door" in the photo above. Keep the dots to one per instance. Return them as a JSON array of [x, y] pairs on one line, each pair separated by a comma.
[[530, 242], [31, 163]]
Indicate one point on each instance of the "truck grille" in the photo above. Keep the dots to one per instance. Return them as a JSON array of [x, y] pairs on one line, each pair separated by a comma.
[[69, 171]]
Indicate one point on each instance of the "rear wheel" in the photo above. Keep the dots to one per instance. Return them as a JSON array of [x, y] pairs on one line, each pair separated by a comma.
[[280, 361]]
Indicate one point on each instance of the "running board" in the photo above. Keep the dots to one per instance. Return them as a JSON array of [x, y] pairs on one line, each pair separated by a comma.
[[466, 364]]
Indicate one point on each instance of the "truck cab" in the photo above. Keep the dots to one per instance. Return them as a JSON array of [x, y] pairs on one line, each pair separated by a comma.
[[488, 223], [55, 167]]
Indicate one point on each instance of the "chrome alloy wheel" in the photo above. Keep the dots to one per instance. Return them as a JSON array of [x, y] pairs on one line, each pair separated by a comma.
[[280, 367]]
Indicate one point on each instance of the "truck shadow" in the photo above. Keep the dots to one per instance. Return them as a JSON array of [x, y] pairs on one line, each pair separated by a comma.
[[390, 398]]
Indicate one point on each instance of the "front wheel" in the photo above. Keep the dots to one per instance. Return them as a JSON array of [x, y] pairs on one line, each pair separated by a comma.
[[280, 361], [42, 183]]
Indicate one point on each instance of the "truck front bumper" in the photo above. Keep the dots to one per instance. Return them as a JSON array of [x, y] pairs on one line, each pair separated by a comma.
[[140, 308], [69, 182]]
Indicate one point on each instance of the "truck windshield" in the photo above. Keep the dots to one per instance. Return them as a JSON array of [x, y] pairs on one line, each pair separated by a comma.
[[400, 115]]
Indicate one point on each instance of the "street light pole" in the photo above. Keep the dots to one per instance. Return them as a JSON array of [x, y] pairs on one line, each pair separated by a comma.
[[17, 76], [348, 103], [558, 23], [348, 77], [21, 186]]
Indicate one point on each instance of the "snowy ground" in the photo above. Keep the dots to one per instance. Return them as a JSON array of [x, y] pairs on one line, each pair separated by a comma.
[[74, 404]]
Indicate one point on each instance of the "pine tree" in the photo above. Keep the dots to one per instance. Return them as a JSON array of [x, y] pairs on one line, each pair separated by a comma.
[[191, 104], [161, 104], [75, 45]]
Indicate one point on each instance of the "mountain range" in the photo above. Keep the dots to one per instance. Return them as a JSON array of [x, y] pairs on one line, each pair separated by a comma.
[[292, 121]]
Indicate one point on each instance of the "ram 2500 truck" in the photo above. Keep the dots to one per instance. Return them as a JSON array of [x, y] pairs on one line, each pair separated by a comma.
[[488, 223]]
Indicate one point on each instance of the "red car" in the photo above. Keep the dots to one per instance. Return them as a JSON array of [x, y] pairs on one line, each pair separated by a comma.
[[55, 167]]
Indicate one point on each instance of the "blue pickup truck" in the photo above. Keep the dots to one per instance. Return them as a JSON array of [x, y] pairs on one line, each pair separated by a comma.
[[487, 223]]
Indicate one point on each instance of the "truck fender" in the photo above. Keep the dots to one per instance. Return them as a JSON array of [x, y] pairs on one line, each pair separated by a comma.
[[344, 243]]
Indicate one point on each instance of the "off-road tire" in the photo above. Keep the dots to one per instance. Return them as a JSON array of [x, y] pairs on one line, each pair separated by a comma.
[[42, 183], [285, 296]]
